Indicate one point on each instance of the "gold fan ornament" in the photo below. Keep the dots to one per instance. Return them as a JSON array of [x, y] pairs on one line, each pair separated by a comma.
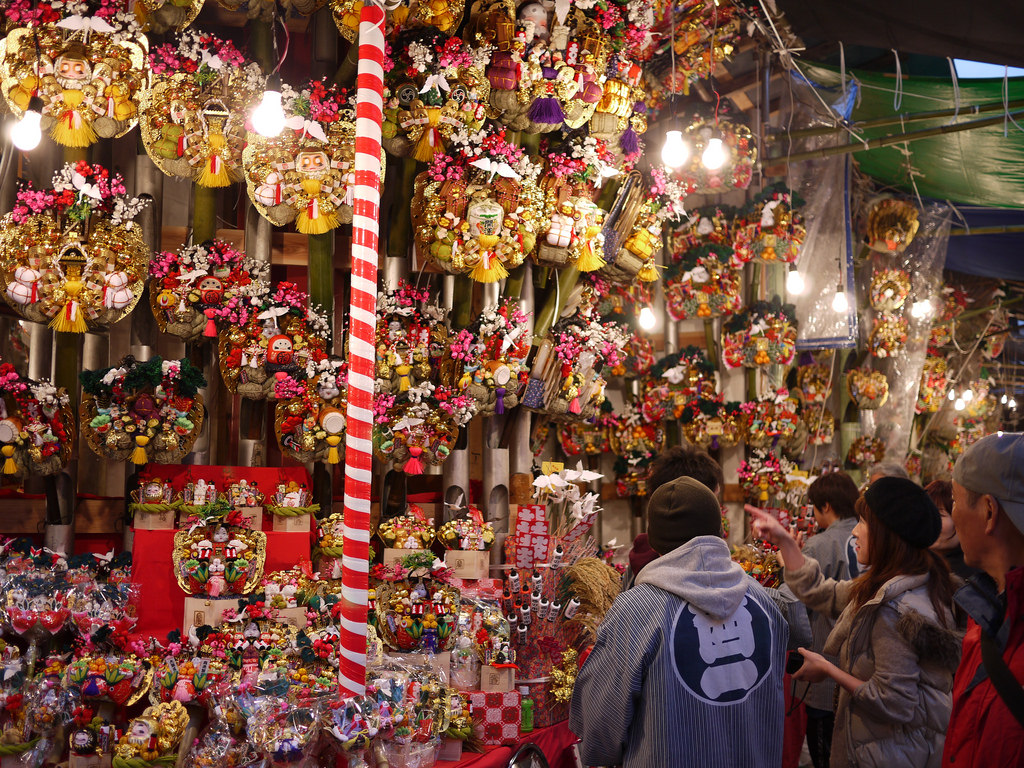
[[71, 256], [193, 116], [89, 71]]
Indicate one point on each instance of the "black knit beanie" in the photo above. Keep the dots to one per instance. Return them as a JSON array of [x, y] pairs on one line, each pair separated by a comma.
[[906, 508], [680, 510]]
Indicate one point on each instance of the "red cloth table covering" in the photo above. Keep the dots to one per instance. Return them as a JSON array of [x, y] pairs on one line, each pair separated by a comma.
[[555, 742], [161, 602]]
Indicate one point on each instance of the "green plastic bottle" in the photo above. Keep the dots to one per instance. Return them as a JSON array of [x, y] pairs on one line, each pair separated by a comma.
[[526, 718]]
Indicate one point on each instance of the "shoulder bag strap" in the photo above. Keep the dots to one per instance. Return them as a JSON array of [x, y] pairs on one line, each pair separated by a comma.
[[1002, 677]]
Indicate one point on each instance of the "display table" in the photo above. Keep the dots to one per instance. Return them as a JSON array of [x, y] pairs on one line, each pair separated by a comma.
[[555, 742], [161, 602]]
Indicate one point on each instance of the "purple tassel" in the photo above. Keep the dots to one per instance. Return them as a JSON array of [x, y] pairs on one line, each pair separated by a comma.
[[630, 142], [499, 403], [806, 358], [546, 110], [714, 443]]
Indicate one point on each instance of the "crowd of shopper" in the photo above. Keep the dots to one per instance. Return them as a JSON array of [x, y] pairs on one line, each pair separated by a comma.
[[915, 650]]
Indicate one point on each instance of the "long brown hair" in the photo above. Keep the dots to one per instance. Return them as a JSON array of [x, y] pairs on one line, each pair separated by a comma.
[[890, 556]]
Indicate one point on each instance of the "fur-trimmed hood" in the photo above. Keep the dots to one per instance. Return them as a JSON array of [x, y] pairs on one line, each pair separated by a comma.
[[931, 642]]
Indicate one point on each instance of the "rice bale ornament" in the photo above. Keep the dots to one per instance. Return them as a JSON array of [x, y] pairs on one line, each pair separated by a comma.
[[201, 286], [478, 210], [770, 229], [307, 173], [142, 411], [71, 256], [89, 72], [437, 87], [160, 16], [310, 412], [37, 426], [194, 114], [892, 225], [270, 339]]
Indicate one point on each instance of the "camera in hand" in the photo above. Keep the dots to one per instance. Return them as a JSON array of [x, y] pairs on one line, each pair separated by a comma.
[[794, 661]]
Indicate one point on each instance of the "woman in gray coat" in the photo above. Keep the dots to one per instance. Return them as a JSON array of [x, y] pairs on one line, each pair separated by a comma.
[[895, 637]]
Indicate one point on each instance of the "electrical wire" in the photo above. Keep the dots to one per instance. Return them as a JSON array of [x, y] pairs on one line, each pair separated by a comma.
[[897, 99]]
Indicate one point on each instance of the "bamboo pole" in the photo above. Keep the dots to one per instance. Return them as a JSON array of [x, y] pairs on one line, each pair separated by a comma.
[[555, 303], [321, 298]]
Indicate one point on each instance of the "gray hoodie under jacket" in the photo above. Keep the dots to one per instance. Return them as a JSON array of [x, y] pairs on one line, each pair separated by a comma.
[[687, 669]]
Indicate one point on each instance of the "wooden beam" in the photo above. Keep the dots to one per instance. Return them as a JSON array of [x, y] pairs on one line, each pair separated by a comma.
[[289, 248]]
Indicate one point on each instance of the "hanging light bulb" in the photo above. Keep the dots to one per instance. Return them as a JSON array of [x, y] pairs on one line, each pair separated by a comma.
[[839, 302], [1003, 399], [268, 117], [714, 156], [952, 395], [921, 309], [647, 318], [26, 133], [968, 395], [675, 151], [1012, 403], [794, 281], [959, 405]]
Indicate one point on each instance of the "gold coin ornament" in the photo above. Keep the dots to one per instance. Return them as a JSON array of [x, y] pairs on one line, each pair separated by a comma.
[[193, 115], [892, 225], [37, 425], [310, 412], [702, 283], [271, 343], [160, 16], [89, 72], [217, 559], [764, 334], [306, 174], [478, 210], [770, 229], [200, 287], [868, 389], [436, 87], [72, 256], [142, 411]]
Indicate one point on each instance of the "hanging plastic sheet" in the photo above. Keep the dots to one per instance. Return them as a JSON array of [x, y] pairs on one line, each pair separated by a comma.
[[922, 262], [826, 259]]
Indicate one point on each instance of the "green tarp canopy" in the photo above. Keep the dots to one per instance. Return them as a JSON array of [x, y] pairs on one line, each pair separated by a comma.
[[980, 166]]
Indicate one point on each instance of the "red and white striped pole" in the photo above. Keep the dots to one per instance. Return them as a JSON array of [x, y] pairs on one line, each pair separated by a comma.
[[362, 327]]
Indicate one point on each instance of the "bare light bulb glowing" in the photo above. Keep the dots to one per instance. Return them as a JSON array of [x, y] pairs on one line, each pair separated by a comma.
[[921, 309], [1003, 399], [952, 395], [968, 395], [839, 301], [268, 117], [714, 156], [794, 282], [674, 152], [25, 134], [959, 405], [647, 318], [1012, 403]]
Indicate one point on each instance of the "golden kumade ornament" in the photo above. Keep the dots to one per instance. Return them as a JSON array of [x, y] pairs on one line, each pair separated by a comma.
[[37, 426], [193, 116], [868, 389], [71, 256], [892, 225], [310, 414], [219, 560], [160, 16], [89, 73]]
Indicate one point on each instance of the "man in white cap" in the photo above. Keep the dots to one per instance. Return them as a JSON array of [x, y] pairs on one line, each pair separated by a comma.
[[986, 727]]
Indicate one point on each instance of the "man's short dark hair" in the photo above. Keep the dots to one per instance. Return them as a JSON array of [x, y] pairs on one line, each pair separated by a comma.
[[685, 461], [837, 489]]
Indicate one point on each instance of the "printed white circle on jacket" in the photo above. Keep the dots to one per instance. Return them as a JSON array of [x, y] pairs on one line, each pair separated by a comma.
[[722, 662]]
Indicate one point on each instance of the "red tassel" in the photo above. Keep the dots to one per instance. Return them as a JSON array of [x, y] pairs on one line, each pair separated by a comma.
[[211, 327], [413, 465], [574, 405], [181, 145]]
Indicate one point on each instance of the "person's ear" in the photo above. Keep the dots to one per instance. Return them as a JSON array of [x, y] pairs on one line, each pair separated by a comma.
[[990, 508]]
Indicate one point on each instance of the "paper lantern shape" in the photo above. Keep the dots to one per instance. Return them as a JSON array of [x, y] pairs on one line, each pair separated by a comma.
[[142, 412], [89, 72], [307, 173], [478, 211], [271, 341], [193, 290], [194, 114], [310, 413], [37, 426], [770, 229], [71, 256], [892, 225]]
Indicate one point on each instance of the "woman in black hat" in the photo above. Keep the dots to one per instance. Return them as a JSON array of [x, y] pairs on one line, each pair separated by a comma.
[[895, 636]]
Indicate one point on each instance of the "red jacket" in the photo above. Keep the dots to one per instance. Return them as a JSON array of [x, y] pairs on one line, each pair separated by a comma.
[[982, 731]]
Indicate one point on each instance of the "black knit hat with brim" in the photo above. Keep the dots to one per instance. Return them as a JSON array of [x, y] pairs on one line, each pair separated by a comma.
[[905, 507]]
